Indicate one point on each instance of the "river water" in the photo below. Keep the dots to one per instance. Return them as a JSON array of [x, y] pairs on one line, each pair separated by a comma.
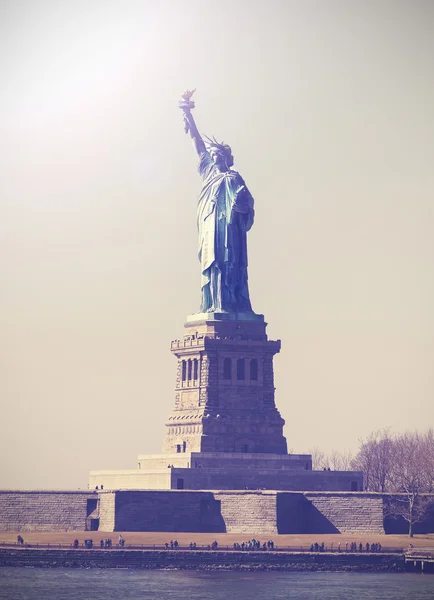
[[123, 584]]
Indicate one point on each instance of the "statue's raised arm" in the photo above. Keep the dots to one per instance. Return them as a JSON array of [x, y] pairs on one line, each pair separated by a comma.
[[186, 104]]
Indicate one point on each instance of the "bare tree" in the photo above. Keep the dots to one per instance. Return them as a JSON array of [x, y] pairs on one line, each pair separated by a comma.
[[375, 459], [429, 454], [401, 465], [412, 507], [319, 459], [337, 460], [412, 476], [341, 460]]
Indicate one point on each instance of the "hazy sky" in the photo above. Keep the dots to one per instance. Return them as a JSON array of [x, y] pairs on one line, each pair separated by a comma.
[[329, 108]]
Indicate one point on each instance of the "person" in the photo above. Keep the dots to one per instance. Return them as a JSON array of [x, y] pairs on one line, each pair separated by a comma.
[[20, 540], [76, 543], [225, 214]]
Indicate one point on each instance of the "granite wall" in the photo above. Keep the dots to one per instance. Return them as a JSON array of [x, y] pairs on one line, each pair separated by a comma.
[[249, 511], [134, 479], [340, 512], [167, 511], [244, 512], [264, 479], [260, 511], [47, 510]]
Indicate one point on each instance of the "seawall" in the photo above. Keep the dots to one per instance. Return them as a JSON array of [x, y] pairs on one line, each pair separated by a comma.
[[202, 560]]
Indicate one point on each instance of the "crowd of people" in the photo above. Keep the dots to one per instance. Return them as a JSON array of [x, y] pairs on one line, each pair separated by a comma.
[[254, 545], [349, 547], [107, 543], [250, 545]]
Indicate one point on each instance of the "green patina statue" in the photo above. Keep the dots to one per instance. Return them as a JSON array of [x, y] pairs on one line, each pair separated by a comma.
[[224, 216]]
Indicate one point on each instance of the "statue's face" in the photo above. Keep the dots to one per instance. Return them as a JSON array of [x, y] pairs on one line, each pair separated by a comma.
[[217, 157]]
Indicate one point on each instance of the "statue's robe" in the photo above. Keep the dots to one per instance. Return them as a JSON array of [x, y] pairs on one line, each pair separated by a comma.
[[224, 215]]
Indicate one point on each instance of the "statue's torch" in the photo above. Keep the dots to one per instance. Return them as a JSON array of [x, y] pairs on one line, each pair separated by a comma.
[[186, 104]]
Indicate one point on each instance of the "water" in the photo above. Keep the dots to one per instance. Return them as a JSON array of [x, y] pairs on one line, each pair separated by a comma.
[[103, 584]]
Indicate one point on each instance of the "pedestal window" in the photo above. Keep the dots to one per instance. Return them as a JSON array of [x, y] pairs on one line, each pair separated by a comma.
[[241, 369], [254, 370], [227, 368]]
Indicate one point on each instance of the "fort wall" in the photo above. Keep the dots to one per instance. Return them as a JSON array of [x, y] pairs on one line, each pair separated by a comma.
[[239, 511], [162, 511], [265, 479], [46, 510], [133, 479], [344, 512]]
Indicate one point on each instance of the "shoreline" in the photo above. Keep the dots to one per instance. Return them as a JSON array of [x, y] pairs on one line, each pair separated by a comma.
[[208, 560]]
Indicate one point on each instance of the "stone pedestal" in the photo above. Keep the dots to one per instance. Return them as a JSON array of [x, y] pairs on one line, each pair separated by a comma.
[[224, 397], [225, 432]]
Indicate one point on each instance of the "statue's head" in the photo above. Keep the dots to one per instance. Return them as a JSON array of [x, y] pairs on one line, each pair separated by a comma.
[[221, 154]]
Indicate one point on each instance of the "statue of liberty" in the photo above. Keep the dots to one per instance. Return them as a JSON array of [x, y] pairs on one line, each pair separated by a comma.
[[224, 216]]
